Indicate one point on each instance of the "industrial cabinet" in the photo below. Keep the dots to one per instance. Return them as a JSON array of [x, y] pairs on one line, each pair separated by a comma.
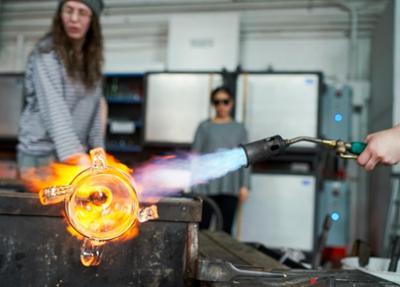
[[284, 190], [176, 102]]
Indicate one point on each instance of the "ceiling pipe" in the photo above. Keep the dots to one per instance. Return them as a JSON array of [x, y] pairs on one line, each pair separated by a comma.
[[146, 7], [353, 11], [353, 51]]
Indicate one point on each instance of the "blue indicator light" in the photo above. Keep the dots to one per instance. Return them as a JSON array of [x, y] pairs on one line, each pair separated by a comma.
[[335, 216], [338, 117]]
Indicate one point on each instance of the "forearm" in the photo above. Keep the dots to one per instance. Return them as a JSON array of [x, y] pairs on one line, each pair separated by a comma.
[[245, 177]]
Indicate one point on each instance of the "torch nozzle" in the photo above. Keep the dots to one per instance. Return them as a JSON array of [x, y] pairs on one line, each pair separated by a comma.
[[264, 149]]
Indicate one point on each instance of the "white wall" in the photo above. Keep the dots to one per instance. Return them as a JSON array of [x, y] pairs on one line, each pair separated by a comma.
[[327, 55], [131, 56], [139, 42], [132, 43], [203, 42], [13, 54]]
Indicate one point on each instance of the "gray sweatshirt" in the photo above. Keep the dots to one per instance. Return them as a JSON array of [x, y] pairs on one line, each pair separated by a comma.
[[61, 117], [211, 137]]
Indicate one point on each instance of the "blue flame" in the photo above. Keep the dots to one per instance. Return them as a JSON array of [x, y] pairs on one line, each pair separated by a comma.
[[164, 176]]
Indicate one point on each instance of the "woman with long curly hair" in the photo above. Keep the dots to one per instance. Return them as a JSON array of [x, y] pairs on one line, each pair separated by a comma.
[[63, 115]]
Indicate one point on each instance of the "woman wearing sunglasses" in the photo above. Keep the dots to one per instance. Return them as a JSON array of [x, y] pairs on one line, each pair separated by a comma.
[[64, 113], [222, 132]]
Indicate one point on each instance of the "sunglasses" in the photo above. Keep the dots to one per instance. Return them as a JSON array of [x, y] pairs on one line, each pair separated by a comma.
[[218, 102]]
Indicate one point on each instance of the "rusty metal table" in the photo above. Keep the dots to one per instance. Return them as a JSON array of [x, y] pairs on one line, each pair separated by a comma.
[[37, 250]]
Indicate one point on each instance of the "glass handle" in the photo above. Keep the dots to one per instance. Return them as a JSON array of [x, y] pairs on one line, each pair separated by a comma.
[[148, 213], [357, 147], [98, 156], [91, 252], [54, 194]]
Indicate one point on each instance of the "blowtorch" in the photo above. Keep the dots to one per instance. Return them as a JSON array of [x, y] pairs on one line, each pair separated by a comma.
[[264, 149]]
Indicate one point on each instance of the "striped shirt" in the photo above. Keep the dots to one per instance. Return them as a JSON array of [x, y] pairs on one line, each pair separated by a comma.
[[61, 116]]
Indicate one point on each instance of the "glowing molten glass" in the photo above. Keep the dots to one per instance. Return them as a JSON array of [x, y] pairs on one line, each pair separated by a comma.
[[103, 205], [100, 205]]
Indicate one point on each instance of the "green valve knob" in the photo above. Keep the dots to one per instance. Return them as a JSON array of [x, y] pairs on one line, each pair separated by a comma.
[[357, 147]]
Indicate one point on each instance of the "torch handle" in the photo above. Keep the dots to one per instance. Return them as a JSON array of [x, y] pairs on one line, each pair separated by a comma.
[[357, 147]]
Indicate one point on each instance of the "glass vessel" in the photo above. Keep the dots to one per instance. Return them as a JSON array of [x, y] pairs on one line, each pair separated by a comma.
[[101, 205]]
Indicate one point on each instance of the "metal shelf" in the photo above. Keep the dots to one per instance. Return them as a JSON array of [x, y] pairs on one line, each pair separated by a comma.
[[124, 75], [120, 148], [124, 100]]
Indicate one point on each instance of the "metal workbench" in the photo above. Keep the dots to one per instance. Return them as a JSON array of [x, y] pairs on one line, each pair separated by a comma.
[[219, 245], [37, 250]]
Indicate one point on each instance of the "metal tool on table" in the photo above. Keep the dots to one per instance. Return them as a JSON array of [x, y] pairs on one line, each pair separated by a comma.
[[316, 261], [264, 149], [395, 254], [362, 250], [221, 273], [224, 271]]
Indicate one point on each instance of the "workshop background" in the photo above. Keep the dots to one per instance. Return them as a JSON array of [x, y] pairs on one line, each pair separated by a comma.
[[321, 68]]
